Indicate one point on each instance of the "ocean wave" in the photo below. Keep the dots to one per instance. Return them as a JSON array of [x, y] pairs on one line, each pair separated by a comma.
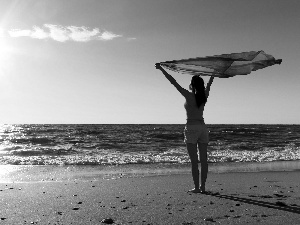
[[33, 140], [77, 144], [255, 156], [29, 150], [166, 136], [177, 155]]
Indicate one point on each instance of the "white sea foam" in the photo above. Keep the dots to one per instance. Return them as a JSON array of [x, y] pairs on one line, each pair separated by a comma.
[[178, 156]]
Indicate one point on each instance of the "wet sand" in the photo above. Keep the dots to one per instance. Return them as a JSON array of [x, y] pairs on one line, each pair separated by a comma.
[[232, 198]]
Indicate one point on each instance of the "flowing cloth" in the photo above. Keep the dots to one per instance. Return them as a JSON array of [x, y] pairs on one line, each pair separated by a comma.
[[224, 66]]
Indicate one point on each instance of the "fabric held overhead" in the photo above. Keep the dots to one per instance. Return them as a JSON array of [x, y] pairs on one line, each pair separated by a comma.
[[223, 66]]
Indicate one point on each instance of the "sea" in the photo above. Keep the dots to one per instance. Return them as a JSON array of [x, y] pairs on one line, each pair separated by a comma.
[[129, 149]]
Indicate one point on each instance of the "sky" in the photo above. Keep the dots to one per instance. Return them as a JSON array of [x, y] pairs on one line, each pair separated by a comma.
[[92, 61]]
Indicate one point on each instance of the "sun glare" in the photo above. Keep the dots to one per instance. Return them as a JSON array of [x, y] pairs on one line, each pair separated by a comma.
[[5, 56]]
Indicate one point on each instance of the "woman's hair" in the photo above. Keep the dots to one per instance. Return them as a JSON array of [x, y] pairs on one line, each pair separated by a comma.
[[198, 89]]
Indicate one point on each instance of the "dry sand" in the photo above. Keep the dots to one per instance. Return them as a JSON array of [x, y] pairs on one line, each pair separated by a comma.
[[233, 198]]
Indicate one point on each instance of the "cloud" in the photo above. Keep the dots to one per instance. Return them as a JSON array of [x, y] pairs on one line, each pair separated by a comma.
[[82, 33], [106, 35], [19, 33], [39, 33], [62, 34], [58, 33], [131, 39]]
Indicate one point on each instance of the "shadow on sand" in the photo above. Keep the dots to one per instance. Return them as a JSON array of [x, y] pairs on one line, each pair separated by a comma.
[[278, 205]]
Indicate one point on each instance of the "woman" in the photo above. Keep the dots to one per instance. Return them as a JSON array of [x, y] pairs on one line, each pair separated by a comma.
[[195, 131]]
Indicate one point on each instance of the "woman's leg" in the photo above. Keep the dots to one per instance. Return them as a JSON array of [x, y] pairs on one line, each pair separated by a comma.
[[204, 165], [192, 150]]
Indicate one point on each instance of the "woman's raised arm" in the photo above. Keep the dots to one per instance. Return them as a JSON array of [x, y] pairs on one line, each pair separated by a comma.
[[170, 78], [207, 89]]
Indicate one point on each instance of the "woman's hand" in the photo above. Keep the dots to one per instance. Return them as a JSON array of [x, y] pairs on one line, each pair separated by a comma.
[[158, 66]]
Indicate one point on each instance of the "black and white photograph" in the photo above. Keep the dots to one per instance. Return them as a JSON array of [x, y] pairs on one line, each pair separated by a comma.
[[149, 112]]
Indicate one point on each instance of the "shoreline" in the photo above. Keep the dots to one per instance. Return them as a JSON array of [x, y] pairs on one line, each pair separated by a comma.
[[42, 173]]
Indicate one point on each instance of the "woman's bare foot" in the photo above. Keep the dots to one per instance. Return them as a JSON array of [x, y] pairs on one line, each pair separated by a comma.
[[202, 189], [194, 190]]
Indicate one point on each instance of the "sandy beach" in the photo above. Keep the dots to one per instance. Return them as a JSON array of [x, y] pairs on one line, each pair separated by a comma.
[[232, 198]]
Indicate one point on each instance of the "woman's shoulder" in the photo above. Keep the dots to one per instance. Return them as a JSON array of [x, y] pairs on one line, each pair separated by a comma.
[[187, 93], [189, 96]]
